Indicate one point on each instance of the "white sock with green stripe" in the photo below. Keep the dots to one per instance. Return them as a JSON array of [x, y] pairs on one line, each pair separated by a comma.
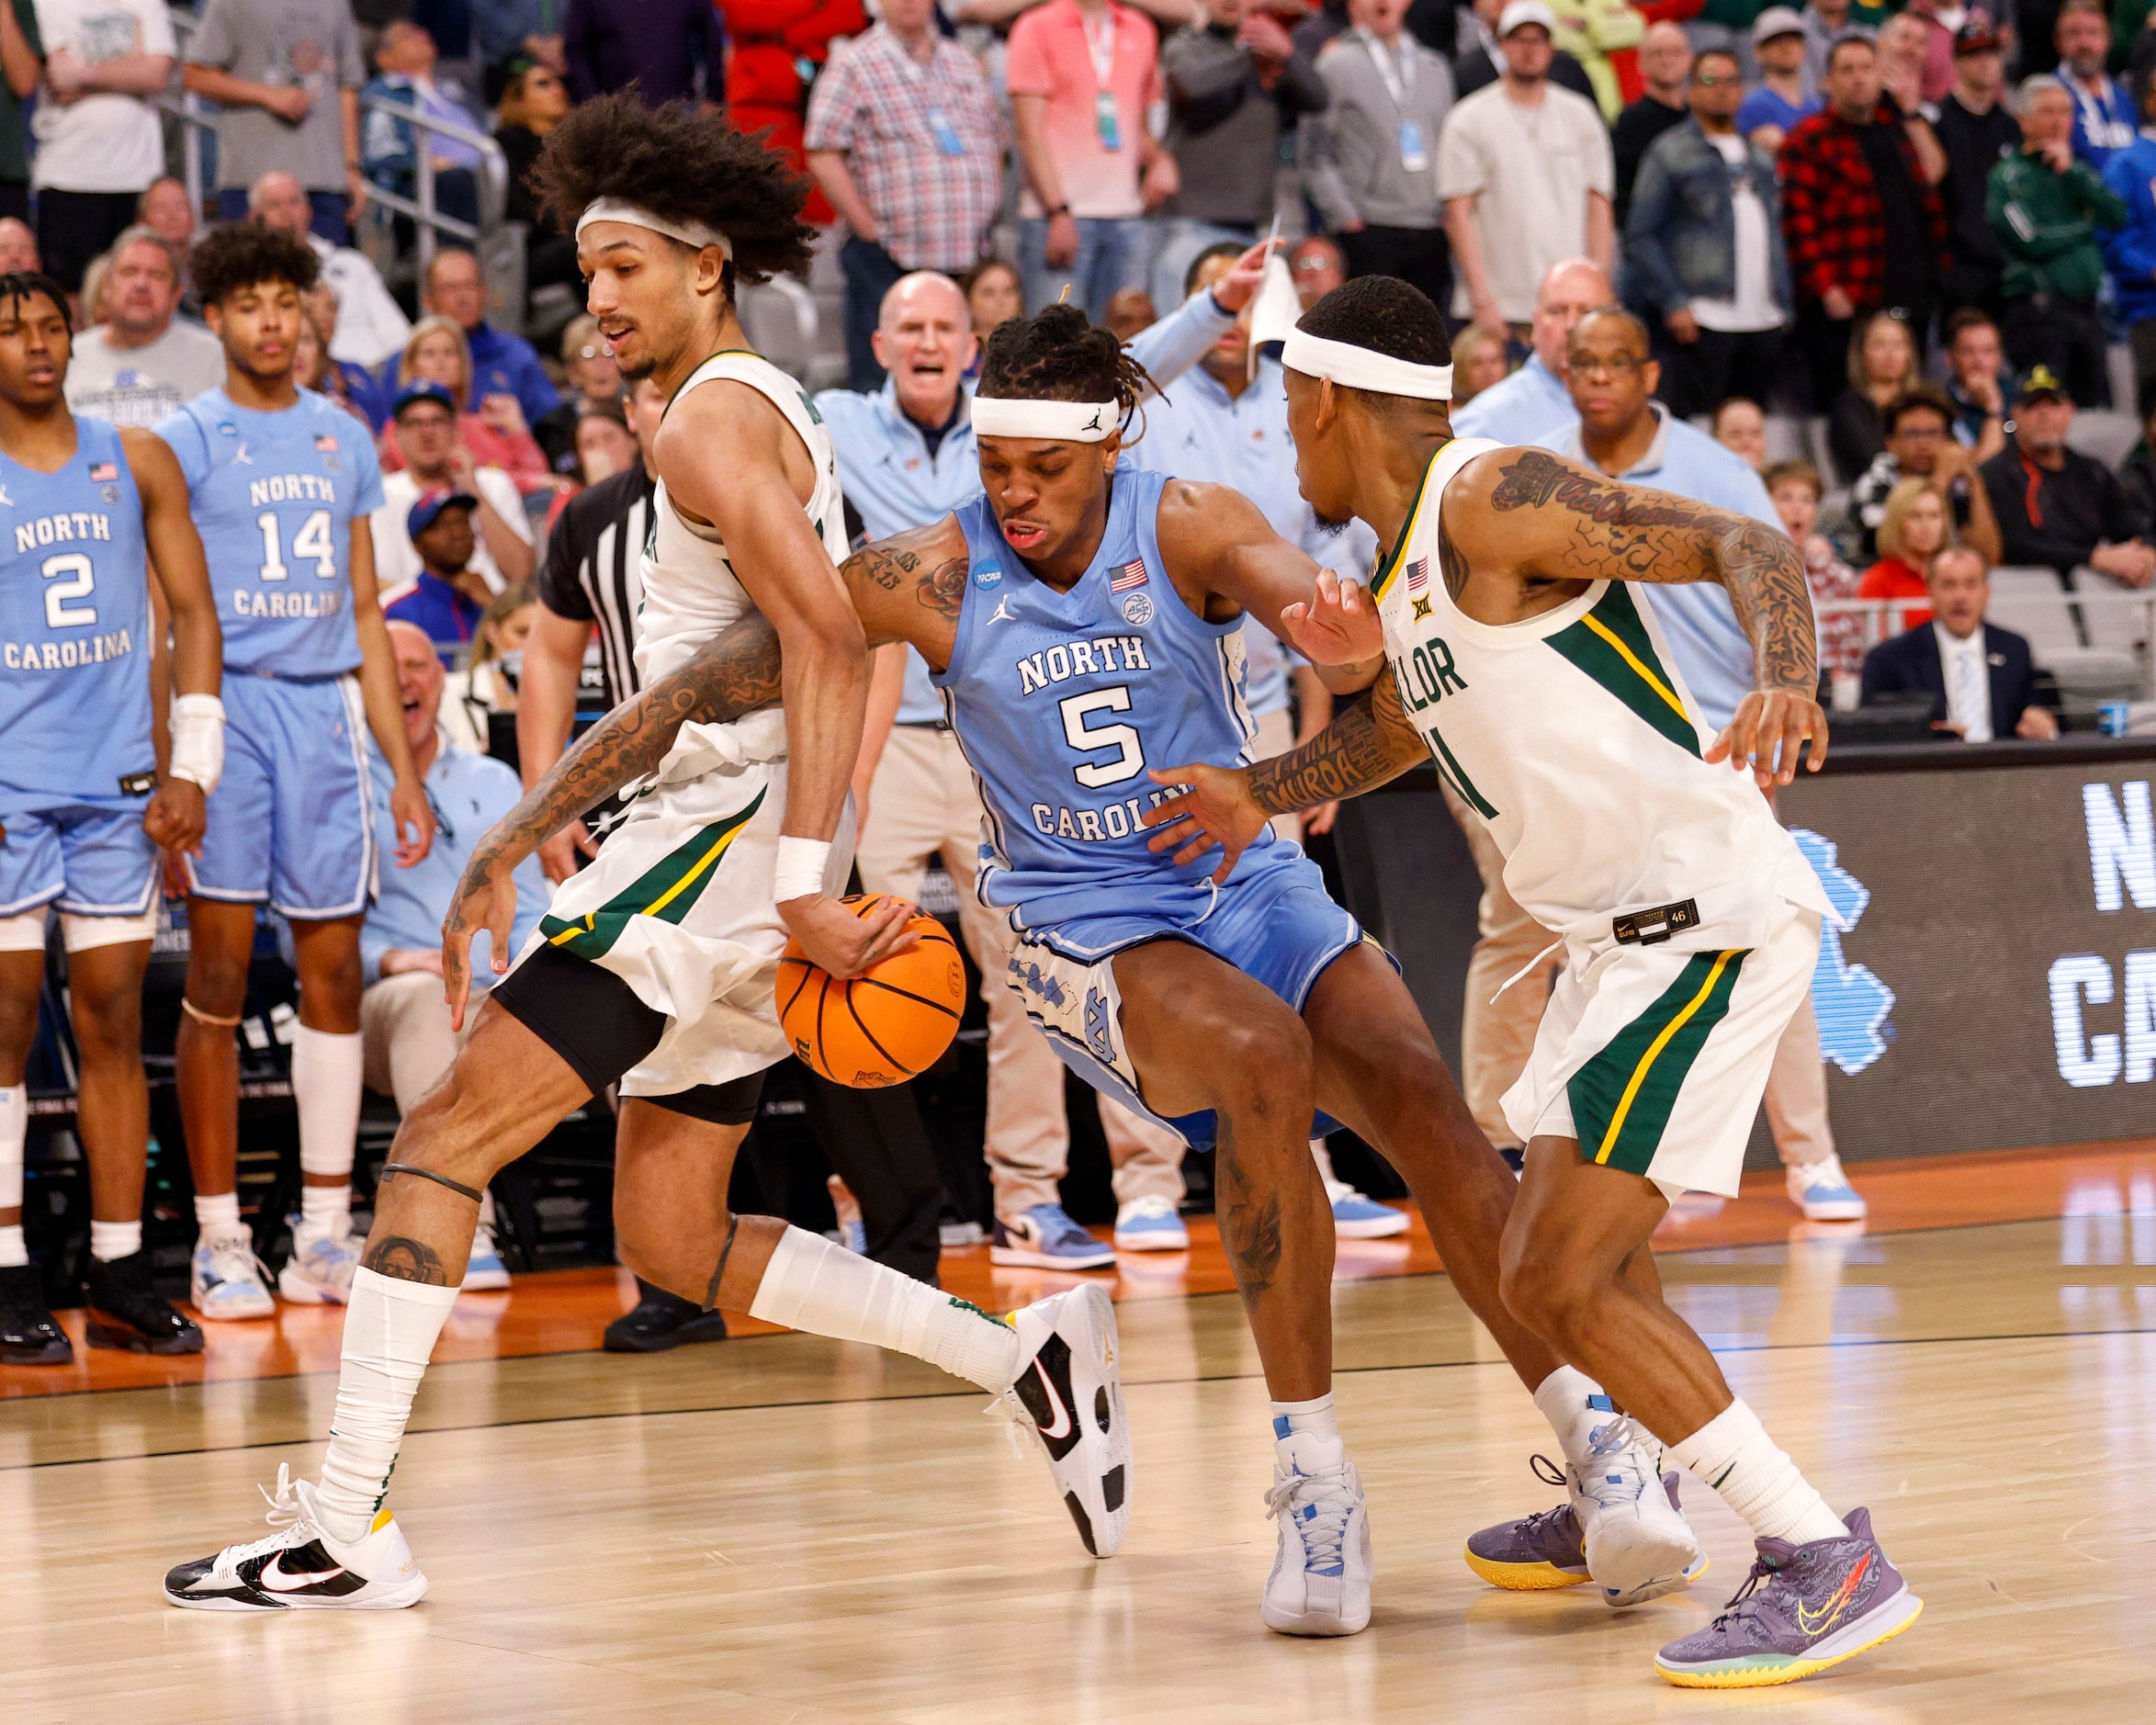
[[1733, 1453]]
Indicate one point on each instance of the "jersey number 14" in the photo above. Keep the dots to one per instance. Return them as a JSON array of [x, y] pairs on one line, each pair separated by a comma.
[[312, 540]]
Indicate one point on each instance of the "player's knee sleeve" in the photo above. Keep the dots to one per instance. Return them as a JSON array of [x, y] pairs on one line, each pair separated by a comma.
[[25, 933], [83, 934]]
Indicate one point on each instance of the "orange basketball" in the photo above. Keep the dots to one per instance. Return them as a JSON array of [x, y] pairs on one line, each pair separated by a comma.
[[884, 1026]]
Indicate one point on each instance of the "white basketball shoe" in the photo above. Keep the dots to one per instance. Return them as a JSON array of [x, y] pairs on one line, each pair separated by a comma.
[[1321, 1570], [319, 1272], [300, 1567], [1637, 1544], [1069, 1395]]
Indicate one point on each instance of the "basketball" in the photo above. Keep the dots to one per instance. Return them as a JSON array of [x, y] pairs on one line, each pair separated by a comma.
[[884, 1026]]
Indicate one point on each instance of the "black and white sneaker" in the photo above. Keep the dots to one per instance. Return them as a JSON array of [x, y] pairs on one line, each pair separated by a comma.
[[128, 1314], [27, 1335], [1069, 1393], [301, 1566]]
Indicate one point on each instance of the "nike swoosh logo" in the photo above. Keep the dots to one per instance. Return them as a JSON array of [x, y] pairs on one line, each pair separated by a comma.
[[1817, 1623], [280, 1580], [1062, 1425]]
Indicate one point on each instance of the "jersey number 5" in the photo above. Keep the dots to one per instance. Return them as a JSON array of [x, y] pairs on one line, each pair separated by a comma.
[[59, 614], [1130, 754], [312, 540]]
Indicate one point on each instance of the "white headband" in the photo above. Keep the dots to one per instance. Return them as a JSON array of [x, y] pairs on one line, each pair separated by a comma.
[[1360, 368], [1061, 422], [694, 233]]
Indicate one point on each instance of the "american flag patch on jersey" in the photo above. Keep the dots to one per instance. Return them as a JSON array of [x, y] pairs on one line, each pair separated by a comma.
[[325, 443], [102, 472], [1419, 574], [1132, 574]]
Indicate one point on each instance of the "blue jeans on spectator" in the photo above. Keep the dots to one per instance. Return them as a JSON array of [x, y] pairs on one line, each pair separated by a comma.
[[1183, 239], [870, 274], [1113, 255], [328, 220]]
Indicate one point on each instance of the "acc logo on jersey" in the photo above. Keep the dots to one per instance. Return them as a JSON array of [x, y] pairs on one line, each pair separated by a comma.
[[988, 575], [1137, 610]]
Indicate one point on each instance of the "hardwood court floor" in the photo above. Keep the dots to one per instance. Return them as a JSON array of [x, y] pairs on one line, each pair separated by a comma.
[[785, 1528]]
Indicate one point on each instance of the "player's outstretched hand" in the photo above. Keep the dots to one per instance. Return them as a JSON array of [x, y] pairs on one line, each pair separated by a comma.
[[176, 817], [1212, 807], [486, 898], [1338, 624], [844, 945], [414, 819], [1764, 736]]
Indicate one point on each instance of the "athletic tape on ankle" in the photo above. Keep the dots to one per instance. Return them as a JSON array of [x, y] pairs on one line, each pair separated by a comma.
[[457, 1187], [725, 1252], [200, 1017]]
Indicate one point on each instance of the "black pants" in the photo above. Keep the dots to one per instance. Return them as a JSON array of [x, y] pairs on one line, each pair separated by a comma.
[[1824, 343], [871, 273], [877, 1143], [15, 201], [2048, 330], [1419, 256], [73, 228], [1698, 377]]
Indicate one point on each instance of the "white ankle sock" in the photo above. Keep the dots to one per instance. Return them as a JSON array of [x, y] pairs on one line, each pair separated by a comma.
[[15, 1125], [14, 1253], [326, 1071], [816, 1285], [111, 1240], [321, 1206], [1313, 1418], [1733, 1453], [222, 1210], [391, 1328], [1575, 1407]]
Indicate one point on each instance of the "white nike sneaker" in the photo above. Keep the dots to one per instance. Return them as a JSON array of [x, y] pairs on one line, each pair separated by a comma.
[[319, 1272], [1637, 1544], [1321, 1573], [300, 1566], [226, 1279], [1069, 1393]]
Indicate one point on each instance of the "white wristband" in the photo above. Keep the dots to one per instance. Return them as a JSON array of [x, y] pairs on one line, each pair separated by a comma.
[[800, 868], [198, 740]]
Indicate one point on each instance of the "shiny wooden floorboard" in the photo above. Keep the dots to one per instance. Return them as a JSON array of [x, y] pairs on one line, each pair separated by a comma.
[[784, 1529]]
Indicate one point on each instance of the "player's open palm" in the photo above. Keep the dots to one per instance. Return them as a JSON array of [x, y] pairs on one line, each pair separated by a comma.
[[486, 898], [176, 817], [1338, 624], [1211, 806], [844, 945]]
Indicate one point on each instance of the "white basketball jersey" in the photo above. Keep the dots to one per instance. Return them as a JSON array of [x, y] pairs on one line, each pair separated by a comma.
[[691, 592], [1574, 736]]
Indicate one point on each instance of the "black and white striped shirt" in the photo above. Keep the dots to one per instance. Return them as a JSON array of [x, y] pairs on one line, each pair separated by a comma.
[[591, 574]]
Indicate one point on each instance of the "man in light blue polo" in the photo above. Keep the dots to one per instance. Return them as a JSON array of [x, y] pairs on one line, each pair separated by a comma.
[[1619, 431], [1532, 399], [907, 457]]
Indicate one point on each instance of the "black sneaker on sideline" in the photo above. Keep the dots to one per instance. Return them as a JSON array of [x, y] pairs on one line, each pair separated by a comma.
[[27, 1335], [128, 1315], [662, 1321]]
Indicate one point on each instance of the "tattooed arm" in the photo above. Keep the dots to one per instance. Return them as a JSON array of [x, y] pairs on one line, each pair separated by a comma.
[[1370, 744]]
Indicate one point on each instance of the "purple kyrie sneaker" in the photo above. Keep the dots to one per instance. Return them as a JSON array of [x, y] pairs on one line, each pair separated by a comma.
[[1804, 1608], [1547, 1549]]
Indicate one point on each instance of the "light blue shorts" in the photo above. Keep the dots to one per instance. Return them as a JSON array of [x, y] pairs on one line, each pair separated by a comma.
[[92, 860], [1276, 925], [292, 821]]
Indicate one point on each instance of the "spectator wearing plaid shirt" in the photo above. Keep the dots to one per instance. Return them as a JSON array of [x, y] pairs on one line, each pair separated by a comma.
[[907, 143], [1863, 223]]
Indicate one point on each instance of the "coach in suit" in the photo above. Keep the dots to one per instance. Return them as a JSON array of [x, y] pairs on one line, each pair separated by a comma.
[[1982, 678]]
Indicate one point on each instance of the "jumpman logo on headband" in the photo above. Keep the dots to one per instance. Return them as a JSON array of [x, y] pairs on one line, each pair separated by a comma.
[[1093, 424]]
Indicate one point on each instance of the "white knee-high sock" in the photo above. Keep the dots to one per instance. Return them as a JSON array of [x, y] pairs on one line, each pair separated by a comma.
[[1576, 1407], [1733, 1453], [14, 1125], [326, 1069], [391, 1328], [813, 1284]]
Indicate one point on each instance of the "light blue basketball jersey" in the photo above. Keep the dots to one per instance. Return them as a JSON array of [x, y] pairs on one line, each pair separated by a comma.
[[74, 627], [1063, 701], [273, 495]]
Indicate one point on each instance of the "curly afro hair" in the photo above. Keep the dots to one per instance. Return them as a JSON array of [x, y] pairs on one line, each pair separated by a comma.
[[1057, 356], [244, 255], [1384, 314], [682, 165]]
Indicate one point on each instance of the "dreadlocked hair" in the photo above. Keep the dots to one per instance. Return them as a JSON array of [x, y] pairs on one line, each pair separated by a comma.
[[1384, 314], [682, 167], [1057, 356], [28, 283], [245, 254]]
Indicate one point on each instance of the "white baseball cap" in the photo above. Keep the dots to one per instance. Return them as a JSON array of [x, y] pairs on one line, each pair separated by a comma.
[[1525, 12]]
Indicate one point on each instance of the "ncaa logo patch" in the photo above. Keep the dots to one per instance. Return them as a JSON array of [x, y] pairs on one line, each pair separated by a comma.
[[1137, 610], [988, 575]]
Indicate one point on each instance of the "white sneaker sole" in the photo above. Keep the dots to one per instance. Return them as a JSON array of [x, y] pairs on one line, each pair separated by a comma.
[[1161, 1241], [484, 1282], [231, 1311], [301, 1290], [1842, 1209], [1375, 1228], [1031, 1257], [373, 1597]]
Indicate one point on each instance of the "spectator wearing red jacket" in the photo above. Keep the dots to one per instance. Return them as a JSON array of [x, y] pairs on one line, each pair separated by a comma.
[[773, 39], [1861, 217]]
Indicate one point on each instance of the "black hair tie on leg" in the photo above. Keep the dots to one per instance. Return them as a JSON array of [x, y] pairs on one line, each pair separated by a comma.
[[725, 1252], [428, 1174]]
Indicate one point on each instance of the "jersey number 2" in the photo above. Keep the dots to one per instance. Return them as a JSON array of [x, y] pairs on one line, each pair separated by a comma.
[[59, 614], [312, 540], [1130, 752]]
